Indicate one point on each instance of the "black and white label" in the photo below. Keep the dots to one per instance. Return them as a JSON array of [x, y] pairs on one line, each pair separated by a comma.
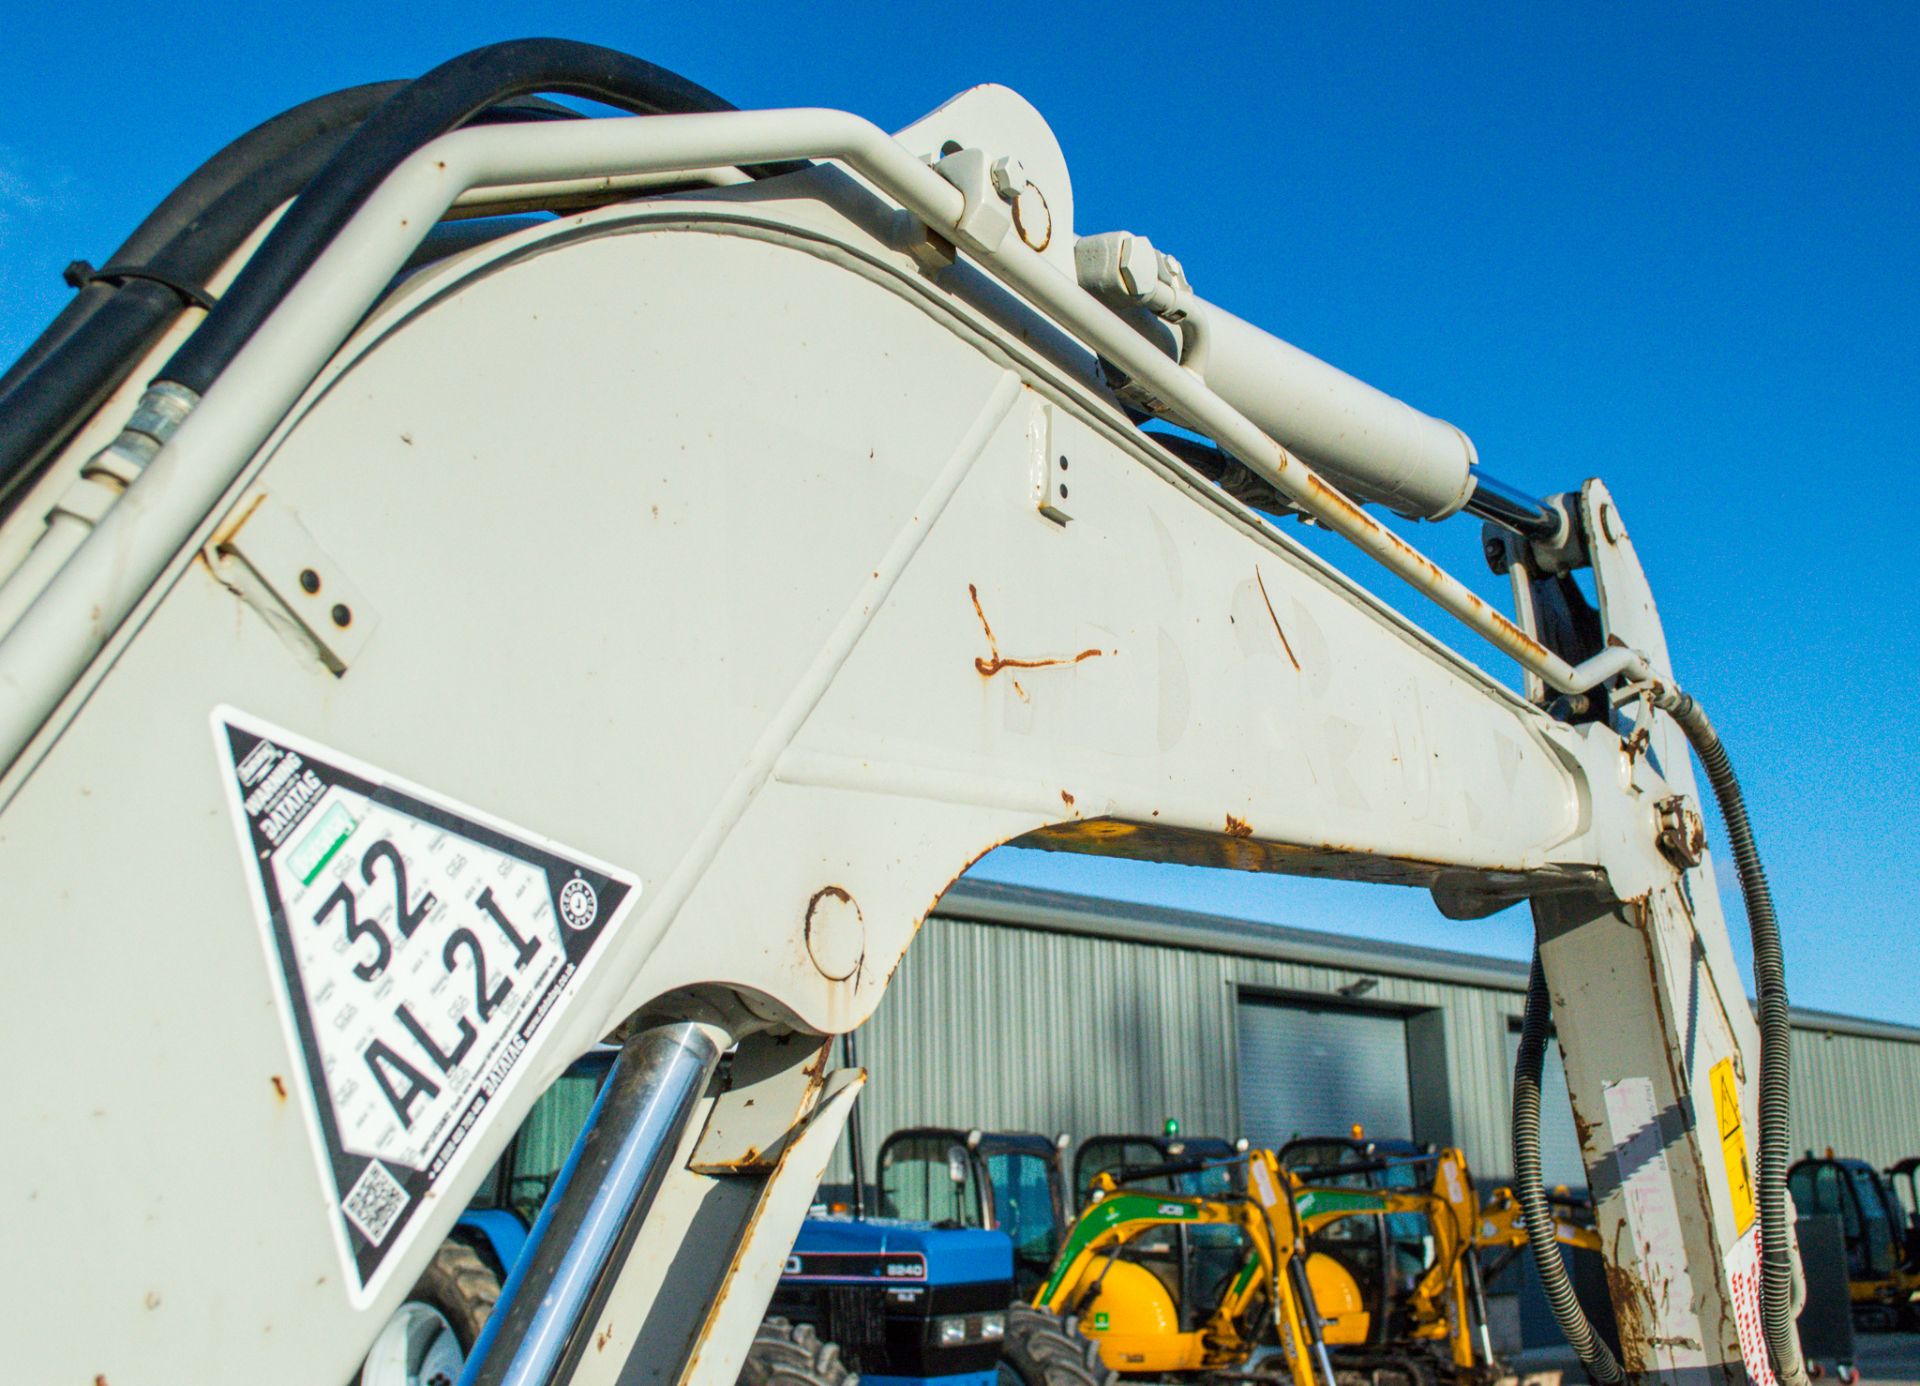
[[423, 946]]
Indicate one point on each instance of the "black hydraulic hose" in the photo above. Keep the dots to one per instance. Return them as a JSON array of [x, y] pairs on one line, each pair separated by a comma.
[[442, 100], [73, 375], [236, 164], [77, 376], [96, 341], [1777, 1314], [1529, 1190]]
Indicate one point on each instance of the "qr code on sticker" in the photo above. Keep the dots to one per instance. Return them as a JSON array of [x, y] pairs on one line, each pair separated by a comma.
[[374, 1202]]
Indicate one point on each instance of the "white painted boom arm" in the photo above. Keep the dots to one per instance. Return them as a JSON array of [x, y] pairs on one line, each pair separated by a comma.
[[685, 592]]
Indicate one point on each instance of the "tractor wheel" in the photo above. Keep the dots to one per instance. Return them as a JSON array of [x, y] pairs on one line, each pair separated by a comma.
[[427, 1340], [792, 1354], [1046, 1349]]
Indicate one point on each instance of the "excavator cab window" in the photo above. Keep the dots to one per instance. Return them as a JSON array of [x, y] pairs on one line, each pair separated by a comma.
[[1849, 1190], [524, 1175], [1386, 1256], [1024, 1208], [930, 1179], [1099, 1154], [545, 1140], [1409, 1235], [1196, 1264], [1326, 1155], [1215, 1181], [1410, 1239], [1217, 1254], [1903, 1188], [1105, 1153], [1161, 1250], [1878, 1219], [1816, 1190]]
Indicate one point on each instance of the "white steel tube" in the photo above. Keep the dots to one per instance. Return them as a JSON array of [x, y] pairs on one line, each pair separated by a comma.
[[62, 538], [79, 611]]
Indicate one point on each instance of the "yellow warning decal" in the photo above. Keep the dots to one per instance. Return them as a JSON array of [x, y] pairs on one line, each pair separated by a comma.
[[1733, 1143]]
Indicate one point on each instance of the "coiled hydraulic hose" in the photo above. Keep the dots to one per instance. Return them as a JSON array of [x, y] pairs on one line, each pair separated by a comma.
[[422, 111], [1777, 1310], [1530, 1189]]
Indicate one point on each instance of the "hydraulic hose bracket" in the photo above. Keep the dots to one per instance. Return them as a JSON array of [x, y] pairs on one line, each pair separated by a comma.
[[80, 274]]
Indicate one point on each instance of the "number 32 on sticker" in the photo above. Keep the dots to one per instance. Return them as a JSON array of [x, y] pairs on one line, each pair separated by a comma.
[[461, 954]]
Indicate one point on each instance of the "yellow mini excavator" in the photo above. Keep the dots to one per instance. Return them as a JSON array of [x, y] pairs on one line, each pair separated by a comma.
[[1255, 1285], [1184, 1283]]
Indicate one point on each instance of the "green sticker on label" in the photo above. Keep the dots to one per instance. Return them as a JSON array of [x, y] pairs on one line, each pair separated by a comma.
[[1100, 1322], [316, 849]]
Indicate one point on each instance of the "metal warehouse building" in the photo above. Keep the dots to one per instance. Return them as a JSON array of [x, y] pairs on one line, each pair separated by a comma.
[[1030, 1010]]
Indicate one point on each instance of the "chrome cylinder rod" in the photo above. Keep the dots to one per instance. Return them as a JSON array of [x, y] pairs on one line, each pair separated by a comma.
[[596, 1208], [1513, 509]]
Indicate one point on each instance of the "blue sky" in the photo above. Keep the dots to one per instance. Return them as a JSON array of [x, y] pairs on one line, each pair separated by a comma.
[[1677, 247]]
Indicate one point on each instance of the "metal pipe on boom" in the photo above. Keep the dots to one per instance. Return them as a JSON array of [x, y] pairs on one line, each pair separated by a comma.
[[856, 1148]]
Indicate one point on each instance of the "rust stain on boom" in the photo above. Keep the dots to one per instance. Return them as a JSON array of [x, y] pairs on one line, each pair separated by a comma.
[[1285, 643], [993, 662]]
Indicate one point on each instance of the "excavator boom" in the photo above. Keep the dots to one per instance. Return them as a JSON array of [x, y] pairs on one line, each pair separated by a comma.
[[523, 629]]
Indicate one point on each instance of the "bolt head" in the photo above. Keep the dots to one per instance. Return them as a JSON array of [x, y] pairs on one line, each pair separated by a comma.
[[1009, 177], [1681, 832], [1139, 266]]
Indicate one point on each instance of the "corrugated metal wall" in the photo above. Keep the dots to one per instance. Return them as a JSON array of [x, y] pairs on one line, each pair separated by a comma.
[[1006, 1027], [1010, 1028], [1859, 1095]]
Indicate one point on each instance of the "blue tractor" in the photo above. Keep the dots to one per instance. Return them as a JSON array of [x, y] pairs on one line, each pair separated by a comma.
[[904, 1303]]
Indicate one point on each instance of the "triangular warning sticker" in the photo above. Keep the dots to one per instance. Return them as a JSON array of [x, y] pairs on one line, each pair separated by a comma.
[[423, 946]]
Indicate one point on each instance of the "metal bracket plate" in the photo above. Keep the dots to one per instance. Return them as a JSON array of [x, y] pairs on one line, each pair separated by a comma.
[[268, 557]]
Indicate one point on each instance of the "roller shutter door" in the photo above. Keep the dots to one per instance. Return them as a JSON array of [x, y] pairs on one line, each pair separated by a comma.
[[1315, 1071]]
